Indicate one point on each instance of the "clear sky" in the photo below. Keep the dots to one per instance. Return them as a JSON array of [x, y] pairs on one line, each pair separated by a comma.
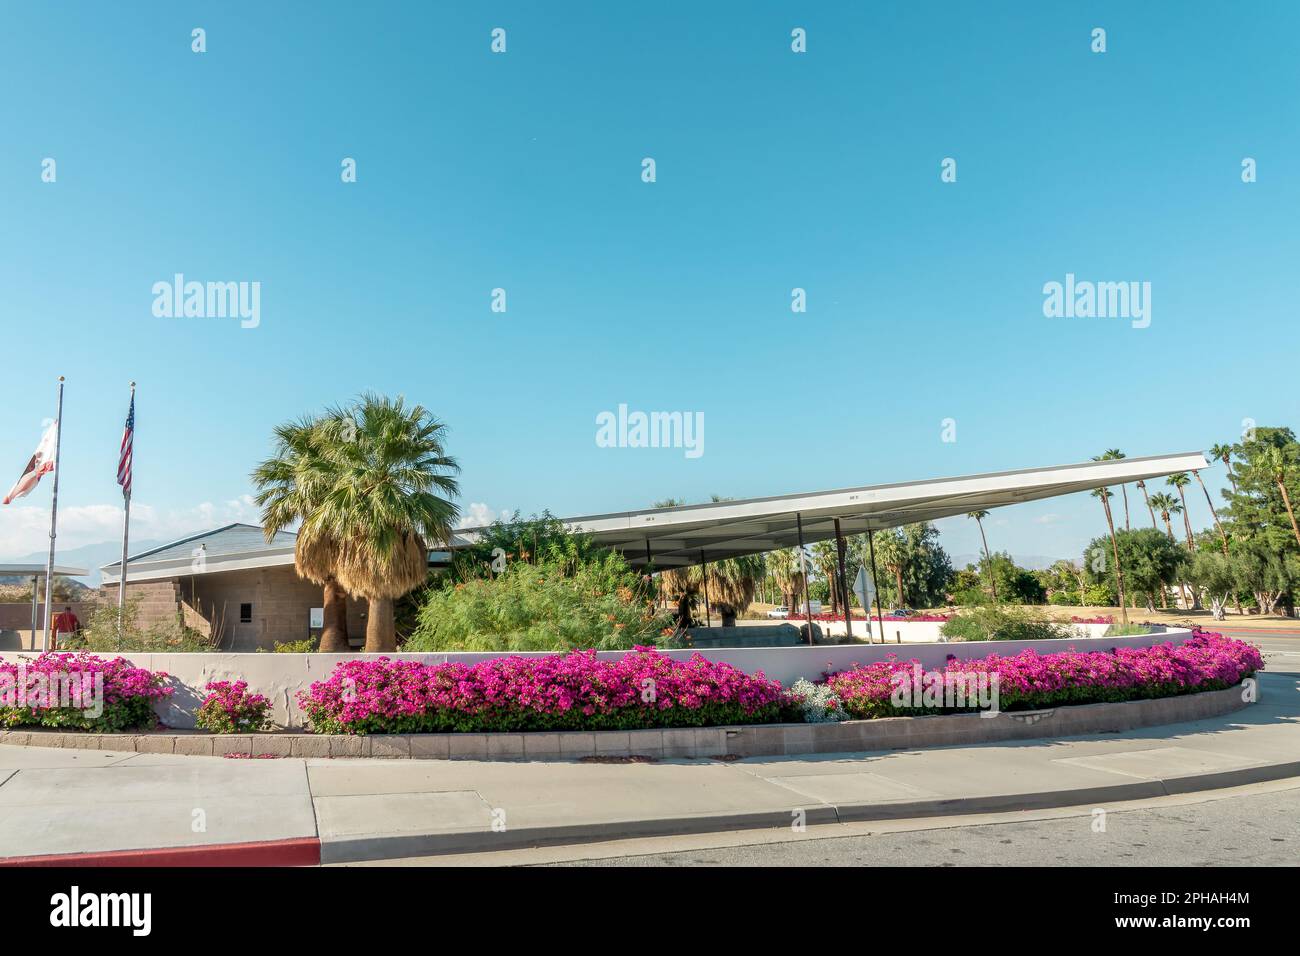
[[523, 171]]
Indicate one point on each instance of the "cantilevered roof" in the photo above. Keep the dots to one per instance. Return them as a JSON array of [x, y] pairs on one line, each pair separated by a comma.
[[30, 570], [689, 534]]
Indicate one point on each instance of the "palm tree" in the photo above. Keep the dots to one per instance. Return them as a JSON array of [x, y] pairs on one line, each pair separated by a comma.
[[1224, 454], [1114, 454], [1274, 462], [384, 503], [826, 557], [979, 517], [785, 570], [1180, 481], [893, 555], [1168, 505], [1143, 485], [292, 485], [1213, 514], [1105, 495]]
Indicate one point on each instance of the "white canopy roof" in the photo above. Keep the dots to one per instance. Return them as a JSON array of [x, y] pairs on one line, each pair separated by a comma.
[[689, 534]]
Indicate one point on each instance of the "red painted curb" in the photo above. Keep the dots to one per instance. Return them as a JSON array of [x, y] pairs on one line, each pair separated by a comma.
[[301, 852]]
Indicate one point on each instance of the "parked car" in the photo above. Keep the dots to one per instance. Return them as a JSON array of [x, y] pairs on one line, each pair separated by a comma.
[[779, 613], [901, 612]]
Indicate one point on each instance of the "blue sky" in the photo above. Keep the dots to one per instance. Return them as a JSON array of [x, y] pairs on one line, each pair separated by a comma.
[[522, 171]]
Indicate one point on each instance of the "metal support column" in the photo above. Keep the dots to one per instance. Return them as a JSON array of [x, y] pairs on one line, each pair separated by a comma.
[[803, 569], [843, 582], [704, 568], [875, 579]]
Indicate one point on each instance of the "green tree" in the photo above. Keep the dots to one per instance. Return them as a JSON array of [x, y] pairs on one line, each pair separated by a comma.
[[979, 517], [388, 495], [292, 484], [1114, 454], [1151, 562], [1105, 495]]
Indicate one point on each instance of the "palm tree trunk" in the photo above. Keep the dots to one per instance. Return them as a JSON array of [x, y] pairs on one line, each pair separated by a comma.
[[1191, 547], [334, 632], [1213, 514], [1286, 500], [898, 577], [1149, 508], [1119, 571], [381, 629], [993, 584], [1123, 490]]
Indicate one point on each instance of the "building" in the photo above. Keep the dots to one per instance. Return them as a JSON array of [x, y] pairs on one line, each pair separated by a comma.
[[234, 586]]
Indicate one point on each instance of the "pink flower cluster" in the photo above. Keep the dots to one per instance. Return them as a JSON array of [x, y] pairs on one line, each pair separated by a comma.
[[1100, 619], [231, 709], [1029, 680], [936, 618], [644, 688], [80, 691]]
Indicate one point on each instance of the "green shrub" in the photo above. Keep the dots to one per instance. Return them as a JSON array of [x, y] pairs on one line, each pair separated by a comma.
[[550, 606], [1126, 630], [308, 645], [1003, 623], [103, 634]]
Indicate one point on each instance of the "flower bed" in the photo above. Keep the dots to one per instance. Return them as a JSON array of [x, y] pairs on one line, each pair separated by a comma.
[[1100, 619], [1031, 681], [924, 618], [575, 691], [79, 691]]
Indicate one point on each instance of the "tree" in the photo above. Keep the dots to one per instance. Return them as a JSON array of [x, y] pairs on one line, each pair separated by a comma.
[[1213, 514], [1105, 495], [1016, 584], [1224, 454], [891, 553], [292, 484], [784, 565], [979, 517], [1275, 464], [1180, 481], [1143, 485], [1114, 454], [388, 495], [1218, 576], [734, 582], [1151, 561]]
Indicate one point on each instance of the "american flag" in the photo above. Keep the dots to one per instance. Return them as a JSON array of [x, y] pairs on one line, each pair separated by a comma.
[[124, 463]]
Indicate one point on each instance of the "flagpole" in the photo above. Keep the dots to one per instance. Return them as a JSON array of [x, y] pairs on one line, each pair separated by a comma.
[[126, 530], [54, 517]]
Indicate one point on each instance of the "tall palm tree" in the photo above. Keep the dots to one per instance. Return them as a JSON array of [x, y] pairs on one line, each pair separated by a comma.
[[1105, 495], [1143, 485], [1168, 505], [1213, 514], [1180, 481], [826, 558], [785, 570], [292, 484], [1274, 462], [892, 553], [385, 503], [979, 517], [1224, 454], [1114, 454]]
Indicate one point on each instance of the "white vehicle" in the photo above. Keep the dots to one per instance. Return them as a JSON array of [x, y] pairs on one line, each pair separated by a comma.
[[779, 613]]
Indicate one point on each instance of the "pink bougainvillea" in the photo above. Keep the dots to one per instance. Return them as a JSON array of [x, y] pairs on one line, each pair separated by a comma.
[[644, 688], [79, 691], [1030, 680]]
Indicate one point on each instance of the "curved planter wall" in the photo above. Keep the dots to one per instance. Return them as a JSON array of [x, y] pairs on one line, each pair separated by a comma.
[[281, 676], [757, 740]]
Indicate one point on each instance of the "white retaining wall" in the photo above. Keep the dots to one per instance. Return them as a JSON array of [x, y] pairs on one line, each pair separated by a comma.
[[281, 676]]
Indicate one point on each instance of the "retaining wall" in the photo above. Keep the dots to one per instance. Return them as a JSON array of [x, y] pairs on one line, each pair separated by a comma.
[[281, 676]]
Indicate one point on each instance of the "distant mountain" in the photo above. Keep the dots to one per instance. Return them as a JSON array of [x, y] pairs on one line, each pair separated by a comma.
[[89, 556]]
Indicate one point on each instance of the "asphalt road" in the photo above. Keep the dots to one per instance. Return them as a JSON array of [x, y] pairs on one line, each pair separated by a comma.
[[1258, 829]]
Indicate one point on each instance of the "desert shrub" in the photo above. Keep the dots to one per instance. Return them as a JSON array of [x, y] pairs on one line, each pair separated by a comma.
[[102, 633], [1002, 622], [542, 607]]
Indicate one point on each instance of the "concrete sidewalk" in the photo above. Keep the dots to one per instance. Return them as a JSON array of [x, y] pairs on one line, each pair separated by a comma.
[[206, 811]]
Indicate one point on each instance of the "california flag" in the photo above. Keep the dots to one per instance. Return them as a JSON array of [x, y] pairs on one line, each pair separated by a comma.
[[42, 463]]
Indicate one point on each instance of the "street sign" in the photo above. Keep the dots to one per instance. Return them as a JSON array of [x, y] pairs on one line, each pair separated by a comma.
[[865, 589]]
